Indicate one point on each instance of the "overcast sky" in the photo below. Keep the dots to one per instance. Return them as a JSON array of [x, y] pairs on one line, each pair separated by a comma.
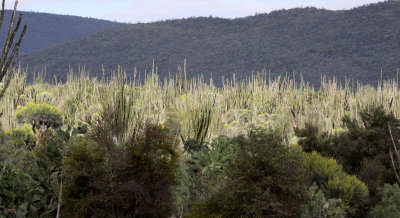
[[134, 11]]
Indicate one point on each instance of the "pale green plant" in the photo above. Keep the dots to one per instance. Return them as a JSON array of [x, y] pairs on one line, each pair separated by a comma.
[[259, 101]]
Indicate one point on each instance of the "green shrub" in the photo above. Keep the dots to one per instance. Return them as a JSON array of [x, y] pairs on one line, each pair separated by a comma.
[[329, 176], [362, 150], [24, 183], [318, 206], [22, 137], [85, 171], [134, 179], [311, 139], [265, 178], [202, 170], [389, 206]]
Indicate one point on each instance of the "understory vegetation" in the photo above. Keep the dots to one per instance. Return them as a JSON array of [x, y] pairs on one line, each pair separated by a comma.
[[116, 147]]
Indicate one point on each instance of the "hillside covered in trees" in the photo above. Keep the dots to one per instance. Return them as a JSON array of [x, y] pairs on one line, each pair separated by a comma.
[[46, 30], [357, 43]]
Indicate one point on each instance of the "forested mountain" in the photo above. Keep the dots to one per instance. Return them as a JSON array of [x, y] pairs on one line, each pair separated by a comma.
[[45, 30], [357, 43]]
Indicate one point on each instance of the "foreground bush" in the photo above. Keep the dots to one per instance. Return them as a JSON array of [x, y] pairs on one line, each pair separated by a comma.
[[318, 206], [29, 184], [201, 172], [389, 206], [329, 176], [266, 178], [363, 150], [134, 179]]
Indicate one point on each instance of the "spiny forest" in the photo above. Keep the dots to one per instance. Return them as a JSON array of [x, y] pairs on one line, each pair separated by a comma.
[[152, 146], [186, 148]]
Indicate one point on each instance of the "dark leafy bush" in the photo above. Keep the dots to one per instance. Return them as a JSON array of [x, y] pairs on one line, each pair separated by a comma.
[[133, 179], [22, 137], [389, 206], [30, 180], [363, 150], [318, 206], [202, 170], [265, 178], [15, 179], [311, 139], [85, 172]]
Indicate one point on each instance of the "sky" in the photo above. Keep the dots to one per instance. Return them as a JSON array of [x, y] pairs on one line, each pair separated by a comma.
[[133, 11]]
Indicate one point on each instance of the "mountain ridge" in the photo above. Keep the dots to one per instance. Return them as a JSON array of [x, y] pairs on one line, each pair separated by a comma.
[[356, 43], [46, 30]]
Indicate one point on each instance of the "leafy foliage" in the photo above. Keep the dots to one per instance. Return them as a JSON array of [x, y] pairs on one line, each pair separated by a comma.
[[31, 179], [266, 178], [202, 170], [389, 206], [318, 206], [41, 117], [363, 149], [22, 137], [329, 176], [135, 178]]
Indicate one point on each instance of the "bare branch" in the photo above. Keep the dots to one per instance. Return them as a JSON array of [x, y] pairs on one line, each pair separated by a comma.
[[394, 167], [394, 144], [391, 154], [4, 169]]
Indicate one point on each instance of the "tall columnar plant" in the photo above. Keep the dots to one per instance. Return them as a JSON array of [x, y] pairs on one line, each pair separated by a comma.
[[7, 59]]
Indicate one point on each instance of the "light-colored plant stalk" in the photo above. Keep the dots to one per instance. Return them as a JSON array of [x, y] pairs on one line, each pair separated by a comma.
[[397, 155], [7, 59]]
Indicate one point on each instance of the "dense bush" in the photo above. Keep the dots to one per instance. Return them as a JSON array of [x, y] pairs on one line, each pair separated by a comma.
[[15, 182], [329, 176], [135, 179], [202, 169], [265, 178], [318, 206], [389, 206], [363, 150], [22, 136], [29, 185]]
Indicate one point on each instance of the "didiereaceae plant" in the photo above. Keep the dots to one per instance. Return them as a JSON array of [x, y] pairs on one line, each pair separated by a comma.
[[7, 59]]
